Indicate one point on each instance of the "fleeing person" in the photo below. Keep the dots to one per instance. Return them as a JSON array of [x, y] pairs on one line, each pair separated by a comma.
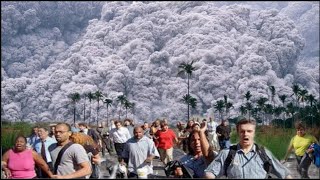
[[247, 160], [19, 162], [223, 131], [140, 151], [166, 138], [300, 143], [212, 134], [42, 148], [74, 162], [200, 153], [119, 136]]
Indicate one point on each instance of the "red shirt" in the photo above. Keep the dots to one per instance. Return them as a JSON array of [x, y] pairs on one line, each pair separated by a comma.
[[165, 139]]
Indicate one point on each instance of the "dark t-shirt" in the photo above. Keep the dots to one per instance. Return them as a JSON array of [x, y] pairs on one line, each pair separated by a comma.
[[224, 131]]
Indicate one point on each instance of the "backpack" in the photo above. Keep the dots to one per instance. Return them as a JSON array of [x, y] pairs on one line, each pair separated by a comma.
[[171, 167], [267, 163]]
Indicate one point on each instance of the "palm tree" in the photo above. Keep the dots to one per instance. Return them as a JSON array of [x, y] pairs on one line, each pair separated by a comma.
[[303, 96], [249, 107], [273, 93], [227, 105], [283, 100], [127, 105], [243, 110], [187, 68], [121, 99], [84, 107], [75, 97], [98, 95], [311, 99], [296, 89], [90, 97], [190, 101], [268, 110], [108, 102], [219, 107], [261, 105], [248, 96]]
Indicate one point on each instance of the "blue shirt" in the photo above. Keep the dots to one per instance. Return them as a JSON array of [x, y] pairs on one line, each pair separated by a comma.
[[47, 142], [197, 165], [246, 166]]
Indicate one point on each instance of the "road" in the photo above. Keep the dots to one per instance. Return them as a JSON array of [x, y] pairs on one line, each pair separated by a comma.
[[158, 167]]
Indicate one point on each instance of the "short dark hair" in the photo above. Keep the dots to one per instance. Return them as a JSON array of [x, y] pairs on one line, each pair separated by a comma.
[[83, 124], [245, 121], [65, 124], [299, 125]]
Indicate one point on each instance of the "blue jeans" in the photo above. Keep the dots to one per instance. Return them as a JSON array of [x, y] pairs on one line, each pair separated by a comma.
[[224, 144]]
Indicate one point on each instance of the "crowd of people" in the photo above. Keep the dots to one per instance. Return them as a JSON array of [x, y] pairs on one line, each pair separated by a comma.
[[74, 151]]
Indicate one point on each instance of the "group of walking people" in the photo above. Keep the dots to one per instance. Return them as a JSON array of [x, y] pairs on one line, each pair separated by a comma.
[[74, 151]]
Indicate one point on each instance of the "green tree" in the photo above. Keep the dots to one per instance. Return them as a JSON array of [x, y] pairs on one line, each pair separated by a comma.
[[283, 100], [98, 96], [303, 93], [261, 106], [75, 97], [121, 99], [187, 68], [191, 101], [108, 102], [127, 105], [90, 96], [219, 107]]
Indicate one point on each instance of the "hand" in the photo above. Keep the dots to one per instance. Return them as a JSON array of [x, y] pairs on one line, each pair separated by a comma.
[[148, 160], [203, 126], [7, 172], [57, 177], [178, 172]]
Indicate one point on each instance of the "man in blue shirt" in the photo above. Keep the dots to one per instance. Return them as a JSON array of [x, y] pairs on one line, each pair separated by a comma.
[[246, 164], [41, 146]]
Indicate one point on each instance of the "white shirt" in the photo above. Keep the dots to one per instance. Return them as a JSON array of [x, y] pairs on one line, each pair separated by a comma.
[[120, 135], [212, 126]]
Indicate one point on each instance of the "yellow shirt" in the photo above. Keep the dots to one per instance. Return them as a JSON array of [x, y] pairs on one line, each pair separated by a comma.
[[301, 144]]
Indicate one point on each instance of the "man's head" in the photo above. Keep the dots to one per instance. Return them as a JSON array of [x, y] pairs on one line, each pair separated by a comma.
[[62, 132], [35, 130], [126, 122], [145, 125], [138, 132], [83, 126], [164, 125], [246, 130], [118, 124], [43, 132]]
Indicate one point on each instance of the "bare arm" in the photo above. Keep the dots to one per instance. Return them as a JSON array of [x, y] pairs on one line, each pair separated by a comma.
[[288, 151], [206, 150], [4, 164], [83, 171], [41, 163]]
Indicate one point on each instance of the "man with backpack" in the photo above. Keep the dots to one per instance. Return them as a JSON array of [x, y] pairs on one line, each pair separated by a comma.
[[246, 160]]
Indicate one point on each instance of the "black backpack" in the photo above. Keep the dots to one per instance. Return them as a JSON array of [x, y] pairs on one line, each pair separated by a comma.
[[267, 163]]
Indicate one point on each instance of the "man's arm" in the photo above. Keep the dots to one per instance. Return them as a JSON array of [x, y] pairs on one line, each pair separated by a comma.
[[83, 171]]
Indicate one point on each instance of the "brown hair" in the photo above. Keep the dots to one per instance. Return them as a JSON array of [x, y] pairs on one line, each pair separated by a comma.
[[82, 139], [299, 125], [245, 121]]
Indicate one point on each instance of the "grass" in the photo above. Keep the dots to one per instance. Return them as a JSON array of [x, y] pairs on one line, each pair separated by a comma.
[[274, 139]]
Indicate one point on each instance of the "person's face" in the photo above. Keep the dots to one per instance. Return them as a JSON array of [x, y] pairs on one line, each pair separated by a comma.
[[145, 125], [301, 132], [20, 144], [43, 134], [246, 133], [62, 133], [35, 130], [191, 123], [118, 125], [53, 128], [195, 143], [138, 133], [127, 123], [81, 127], [164, 127]]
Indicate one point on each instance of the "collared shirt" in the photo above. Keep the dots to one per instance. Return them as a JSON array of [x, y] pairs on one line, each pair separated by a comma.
[[137, 151], [47, 142], [120, 135], [246, 166]]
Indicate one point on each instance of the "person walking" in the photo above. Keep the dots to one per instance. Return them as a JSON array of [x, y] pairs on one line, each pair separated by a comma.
[[212, 135], [140, 151], [74, 162], [300, 143], [42, 148], [120, 136], [166, 139], [19, 162], [200, 153], [223, 132], [246, 160]]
